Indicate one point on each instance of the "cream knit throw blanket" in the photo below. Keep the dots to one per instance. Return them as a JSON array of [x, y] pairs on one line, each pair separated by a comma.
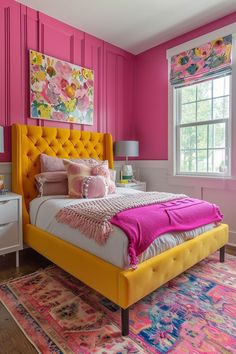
[[92, 217]]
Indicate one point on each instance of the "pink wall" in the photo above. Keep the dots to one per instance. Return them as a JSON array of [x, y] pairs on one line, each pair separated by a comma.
[[141, 114], [21, 29], [151, 93]]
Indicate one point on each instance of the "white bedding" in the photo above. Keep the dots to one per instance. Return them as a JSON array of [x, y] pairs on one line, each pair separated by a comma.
[[44, 209]]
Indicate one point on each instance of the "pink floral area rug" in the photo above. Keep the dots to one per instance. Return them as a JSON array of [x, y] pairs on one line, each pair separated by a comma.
[[194, 313]]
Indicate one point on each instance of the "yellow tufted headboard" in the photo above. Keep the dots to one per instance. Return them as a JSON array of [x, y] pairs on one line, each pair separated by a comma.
[[28, 142]]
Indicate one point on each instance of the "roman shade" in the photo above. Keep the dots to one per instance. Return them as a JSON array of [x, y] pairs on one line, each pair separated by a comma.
[[201, 62]]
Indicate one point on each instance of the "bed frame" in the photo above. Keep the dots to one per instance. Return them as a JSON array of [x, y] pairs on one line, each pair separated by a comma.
[[123, 287]]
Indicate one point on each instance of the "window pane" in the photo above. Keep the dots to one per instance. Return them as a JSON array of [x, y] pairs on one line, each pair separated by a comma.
[[204, 90], [219, 135], [204, 110], [188, 113], [188, 161], [188, 94], [210, 160], [202, 137], [202, 160], [216, 135], [221, 108], [221, 86], [202, 141], [217, 161], [227, 85], [188, 138]]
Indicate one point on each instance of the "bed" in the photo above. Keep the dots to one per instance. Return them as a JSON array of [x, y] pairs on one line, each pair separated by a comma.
[[123, 287]]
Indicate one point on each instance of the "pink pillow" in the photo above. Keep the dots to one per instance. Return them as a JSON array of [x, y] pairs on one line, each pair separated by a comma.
[[103, 170], [53, 163], [76, 173], [52, 183], [94, 187]]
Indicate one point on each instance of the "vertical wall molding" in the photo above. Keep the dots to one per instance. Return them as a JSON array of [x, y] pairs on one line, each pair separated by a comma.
[[7, 65], [21, 29], [72, 44]]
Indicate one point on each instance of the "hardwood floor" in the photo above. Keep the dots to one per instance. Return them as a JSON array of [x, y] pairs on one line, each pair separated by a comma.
[[12, 340]]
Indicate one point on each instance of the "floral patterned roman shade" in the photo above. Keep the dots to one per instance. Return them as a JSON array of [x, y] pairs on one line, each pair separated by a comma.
[[200, 62]]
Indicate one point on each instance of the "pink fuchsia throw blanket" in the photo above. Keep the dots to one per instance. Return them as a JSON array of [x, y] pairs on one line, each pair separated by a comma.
[[143, 225]]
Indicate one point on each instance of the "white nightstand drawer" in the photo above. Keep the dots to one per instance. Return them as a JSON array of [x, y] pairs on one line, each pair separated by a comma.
[[8, 211], [9, 235], [140, 187]]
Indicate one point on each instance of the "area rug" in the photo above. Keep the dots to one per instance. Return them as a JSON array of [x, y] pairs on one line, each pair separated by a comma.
[[194, 313]]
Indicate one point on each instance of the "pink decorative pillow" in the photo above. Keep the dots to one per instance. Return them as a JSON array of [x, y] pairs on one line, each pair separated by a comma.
[[76, 173], [51, 163], [112, 175], [94, 187], [89, 161], [103, 170], [52, 183]]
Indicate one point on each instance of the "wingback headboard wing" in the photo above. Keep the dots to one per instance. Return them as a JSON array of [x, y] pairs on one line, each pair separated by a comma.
[[28, 142]]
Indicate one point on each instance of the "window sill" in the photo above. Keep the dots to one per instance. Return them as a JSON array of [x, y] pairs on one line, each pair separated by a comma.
[[203, 181]]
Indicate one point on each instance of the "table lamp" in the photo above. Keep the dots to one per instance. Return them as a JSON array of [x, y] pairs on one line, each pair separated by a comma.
[[126, 148]]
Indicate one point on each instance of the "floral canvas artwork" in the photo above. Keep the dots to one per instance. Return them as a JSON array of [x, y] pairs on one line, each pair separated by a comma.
[[201, 61], [60, 91]]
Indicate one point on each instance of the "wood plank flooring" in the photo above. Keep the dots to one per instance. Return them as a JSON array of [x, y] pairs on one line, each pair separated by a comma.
[[12, 340]]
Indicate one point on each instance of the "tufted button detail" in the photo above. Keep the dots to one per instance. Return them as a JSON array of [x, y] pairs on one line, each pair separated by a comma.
[[56, 142]]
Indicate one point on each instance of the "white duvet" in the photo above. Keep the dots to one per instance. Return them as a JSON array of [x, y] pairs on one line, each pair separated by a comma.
[[44, 209]]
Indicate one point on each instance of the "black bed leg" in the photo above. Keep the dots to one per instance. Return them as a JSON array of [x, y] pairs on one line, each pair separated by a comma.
[[222, 254], [125, 322]]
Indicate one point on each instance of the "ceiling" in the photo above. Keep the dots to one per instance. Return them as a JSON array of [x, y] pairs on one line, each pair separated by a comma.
[[134, 25]]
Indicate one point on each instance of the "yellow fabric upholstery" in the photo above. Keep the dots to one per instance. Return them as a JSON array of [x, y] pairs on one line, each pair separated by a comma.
[[156, 271], [125, 287], [31, 141], [122, 287]]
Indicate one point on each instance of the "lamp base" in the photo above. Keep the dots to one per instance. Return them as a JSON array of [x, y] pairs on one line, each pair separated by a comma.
[[127, 172]]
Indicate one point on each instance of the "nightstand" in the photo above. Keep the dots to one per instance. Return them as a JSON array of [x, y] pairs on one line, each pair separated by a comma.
[[11, 224], [141, 186]]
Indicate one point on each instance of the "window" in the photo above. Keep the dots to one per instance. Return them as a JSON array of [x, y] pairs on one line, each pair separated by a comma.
[[203, 127]]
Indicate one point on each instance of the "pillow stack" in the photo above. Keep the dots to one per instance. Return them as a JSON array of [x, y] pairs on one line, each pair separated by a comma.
[[80, 178]]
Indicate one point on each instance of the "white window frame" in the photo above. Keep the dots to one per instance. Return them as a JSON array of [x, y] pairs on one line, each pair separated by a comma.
[[178, 125], [230, 29]]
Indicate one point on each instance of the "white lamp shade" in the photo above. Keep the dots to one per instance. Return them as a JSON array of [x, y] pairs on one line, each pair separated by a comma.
[[1, 139], [126, 148]]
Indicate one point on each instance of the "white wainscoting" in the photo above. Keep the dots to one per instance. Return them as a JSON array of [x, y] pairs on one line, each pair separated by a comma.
[[5, 169], [219, 191]]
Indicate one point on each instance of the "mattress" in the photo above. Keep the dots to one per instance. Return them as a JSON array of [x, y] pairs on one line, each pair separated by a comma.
[[44, 209]]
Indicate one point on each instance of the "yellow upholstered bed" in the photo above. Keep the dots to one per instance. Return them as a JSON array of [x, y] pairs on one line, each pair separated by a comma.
[[123, 287]]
